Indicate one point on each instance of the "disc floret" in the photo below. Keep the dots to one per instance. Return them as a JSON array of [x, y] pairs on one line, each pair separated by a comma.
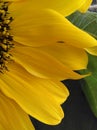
[[5, 37]]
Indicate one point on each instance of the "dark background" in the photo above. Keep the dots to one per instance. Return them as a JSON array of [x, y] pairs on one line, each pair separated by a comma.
[[78, 115], [94, 1]]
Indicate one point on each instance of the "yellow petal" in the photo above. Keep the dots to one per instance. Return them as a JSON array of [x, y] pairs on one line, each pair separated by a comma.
[[10, 0], [65, 7], [70, 56], [45, 27], [38, 97], [41, 64], [17, 7], [92, 50], [85, 5], [12, 117]]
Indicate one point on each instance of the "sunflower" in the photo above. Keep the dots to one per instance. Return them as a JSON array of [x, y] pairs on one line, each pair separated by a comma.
[[38, 49]]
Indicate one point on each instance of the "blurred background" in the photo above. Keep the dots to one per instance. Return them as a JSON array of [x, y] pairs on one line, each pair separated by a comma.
[[78, 115], [94, 1]]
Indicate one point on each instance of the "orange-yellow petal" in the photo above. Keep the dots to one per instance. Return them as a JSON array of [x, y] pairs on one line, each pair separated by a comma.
[[45, 27], [12, 117], [70, 56], [40, 98], [92, 50], [65, 7], [85, 5], [42, 65]]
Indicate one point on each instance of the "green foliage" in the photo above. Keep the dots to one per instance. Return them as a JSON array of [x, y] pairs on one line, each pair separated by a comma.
[[89, 85], [88, 23]]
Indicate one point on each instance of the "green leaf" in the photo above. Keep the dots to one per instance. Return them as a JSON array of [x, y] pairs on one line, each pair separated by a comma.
[[89, 85], [88, 23]]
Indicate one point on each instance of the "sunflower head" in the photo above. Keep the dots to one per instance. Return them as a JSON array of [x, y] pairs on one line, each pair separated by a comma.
[[5, 36]]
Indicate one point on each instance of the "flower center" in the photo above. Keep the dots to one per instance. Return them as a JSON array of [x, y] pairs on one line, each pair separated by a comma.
[[5, 37]]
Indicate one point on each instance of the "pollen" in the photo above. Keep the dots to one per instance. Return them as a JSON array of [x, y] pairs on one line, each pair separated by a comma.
[[6, 39]]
